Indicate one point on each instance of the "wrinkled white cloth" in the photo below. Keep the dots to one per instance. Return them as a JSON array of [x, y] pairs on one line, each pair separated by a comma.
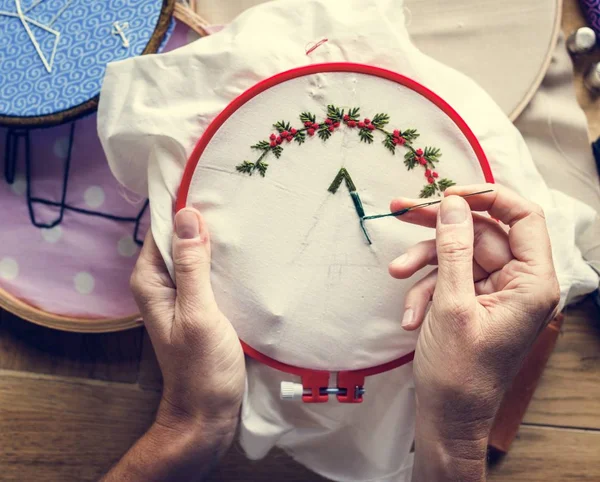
[[153, 110]]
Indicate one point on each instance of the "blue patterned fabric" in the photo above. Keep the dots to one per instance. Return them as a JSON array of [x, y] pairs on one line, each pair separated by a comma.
[[84, 46]]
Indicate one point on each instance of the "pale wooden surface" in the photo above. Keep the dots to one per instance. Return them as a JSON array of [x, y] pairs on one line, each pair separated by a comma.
[[70, 404]]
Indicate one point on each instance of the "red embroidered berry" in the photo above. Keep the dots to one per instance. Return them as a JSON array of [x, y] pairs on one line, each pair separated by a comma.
[[435, 174], [361, 125], [331, 128], [311, 132], [284, 134], [272, 137], [293, 131], [289, 138], [371, 127], [396, 133], [419, 152], [351, 123], [336, 125], [422, 161], [273, 143], [367, 121], [328, 122], [394, 141], [431, 180], [401, 140], [427, 172], [315, 126], [346, 118], [279, 140], [307, 124]]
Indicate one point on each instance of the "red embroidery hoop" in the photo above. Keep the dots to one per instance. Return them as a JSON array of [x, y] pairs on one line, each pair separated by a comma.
[[315, 382]]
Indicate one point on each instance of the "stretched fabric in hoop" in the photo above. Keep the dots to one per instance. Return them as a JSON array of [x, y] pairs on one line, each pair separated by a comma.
[[13, 136], [321, 229]]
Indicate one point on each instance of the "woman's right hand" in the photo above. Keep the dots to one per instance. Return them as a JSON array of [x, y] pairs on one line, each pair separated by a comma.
[[493, 291]]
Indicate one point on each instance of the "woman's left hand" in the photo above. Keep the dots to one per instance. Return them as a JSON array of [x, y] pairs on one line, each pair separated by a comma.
[[200, 357], [198, 351]]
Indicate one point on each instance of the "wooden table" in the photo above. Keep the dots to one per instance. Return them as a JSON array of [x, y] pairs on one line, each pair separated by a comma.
[[71, 405]]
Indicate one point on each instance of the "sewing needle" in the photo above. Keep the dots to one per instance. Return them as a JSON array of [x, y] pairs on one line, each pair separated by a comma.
[[417, 206]]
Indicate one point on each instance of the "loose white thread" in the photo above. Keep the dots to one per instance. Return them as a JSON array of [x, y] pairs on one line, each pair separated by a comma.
[[119, 29]]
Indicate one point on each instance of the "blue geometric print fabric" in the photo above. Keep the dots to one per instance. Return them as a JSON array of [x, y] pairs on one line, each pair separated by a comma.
[[75, 41]]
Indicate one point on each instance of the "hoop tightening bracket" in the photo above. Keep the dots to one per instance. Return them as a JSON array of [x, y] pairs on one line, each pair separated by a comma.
[[315, 388]]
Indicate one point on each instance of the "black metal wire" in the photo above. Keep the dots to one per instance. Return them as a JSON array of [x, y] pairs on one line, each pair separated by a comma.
[[11, 152]]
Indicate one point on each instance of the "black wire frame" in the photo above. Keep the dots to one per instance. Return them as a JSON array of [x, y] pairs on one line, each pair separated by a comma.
[[15, 137]]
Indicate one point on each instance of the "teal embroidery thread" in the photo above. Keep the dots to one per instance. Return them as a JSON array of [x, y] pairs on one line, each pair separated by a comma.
[[344, 175], [426, 158]]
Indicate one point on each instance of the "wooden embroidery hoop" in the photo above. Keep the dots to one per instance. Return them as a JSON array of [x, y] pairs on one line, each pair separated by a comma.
[[34, 314], [91, 105]]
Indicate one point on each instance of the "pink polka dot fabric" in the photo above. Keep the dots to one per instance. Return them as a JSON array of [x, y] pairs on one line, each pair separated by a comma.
[[80, 268]]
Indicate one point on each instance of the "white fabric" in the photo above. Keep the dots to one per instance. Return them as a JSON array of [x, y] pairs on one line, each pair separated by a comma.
[[153, 109]]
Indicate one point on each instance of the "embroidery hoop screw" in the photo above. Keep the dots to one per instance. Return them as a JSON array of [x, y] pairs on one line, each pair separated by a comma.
[[291, 391]]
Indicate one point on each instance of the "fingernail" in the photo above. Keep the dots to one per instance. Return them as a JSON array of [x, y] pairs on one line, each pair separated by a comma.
[[400, 261], [407, 319], [187, 224], [454, 210]]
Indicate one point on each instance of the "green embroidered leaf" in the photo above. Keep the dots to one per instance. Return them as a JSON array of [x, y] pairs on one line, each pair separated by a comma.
[[354, 113], [300, 137], [409, 160], [277, 150], [307, 117], [262, 145], [282, 126], [388, 142], [337, 182], [365, 136], [342, 175], [324, 133], [428, 191], [262, 168], [380, 120], [410, 134], [334, 113], [432, 155], [245, 167], [350, 184], [445, 183]]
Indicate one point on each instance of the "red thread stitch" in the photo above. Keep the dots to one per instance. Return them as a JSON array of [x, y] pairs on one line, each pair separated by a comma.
[[336, 117], [316, 46]]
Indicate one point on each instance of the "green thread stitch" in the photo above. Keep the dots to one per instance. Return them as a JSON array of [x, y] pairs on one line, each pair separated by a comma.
[[427, 158]]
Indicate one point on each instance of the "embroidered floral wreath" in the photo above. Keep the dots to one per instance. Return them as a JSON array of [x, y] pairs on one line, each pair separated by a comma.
[[427, 157]]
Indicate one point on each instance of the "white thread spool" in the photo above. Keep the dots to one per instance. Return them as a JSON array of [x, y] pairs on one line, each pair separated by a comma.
[[582, 41]]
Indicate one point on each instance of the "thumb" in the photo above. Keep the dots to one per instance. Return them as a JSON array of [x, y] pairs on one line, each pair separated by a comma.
[[191, 259], [454, 244]]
